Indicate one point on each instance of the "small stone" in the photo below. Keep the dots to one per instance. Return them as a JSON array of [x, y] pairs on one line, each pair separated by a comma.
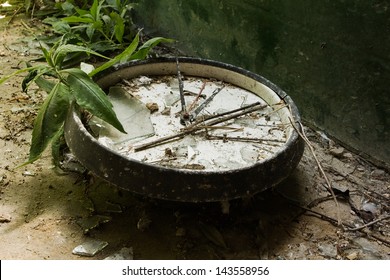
[[166, 111], [5, 218], [352, 256], [153, 107], [143, 80], [378, 174], [361, 169], [28, 173], [370, 207], [90, 248], [370, 250], [338, 152], [348, 155], [328, 250], [144, 223]]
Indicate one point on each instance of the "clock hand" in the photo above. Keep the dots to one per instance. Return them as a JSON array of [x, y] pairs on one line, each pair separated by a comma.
[[183, 114], [205, 103]]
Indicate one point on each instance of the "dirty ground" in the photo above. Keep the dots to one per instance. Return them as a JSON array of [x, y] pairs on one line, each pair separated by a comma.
[[46, 213]]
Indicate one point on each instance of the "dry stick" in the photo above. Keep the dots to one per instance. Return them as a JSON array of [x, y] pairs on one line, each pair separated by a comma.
[[308, 208], [197, 97], [324, 217], [370, 223], [303, 136], [191, 129], [227, 113], [243, 139], [334, 221], [377, 237], [327, 218], [13, 16]]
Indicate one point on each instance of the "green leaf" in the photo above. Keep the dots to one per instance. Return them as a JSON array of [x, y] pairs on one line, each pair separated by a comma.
[[49, 120], [95, 9], [113, 3], [67, 7], [56, 145], [104, 46], [47, 55], [90, 31], [5, 78], [119, 28], [82, 12], [30, 76], [145, 48], [107, 20], [76, 19], [61, 27], [45, 84], [122, 57], [98, 25], [63, 50], [35, 75], [91, 97]]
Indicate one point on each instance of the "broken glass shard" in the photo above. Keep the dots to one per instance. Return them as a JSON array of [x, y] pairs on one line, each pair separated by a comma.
[[92, 222], [89, 248], [133, 115]]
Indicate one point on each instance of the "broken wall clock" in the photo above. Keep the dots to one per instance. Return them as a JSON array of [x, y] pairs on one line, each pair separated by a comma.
[[197, 131]]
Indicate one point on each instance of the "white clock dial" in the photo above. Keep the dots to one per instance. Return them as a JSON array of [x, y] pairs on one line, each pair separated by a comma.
[[219, 127]]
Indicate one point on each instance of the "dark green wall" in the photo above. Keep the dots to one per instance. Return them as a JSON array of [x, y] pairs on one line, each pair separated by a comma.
[[331, 57]]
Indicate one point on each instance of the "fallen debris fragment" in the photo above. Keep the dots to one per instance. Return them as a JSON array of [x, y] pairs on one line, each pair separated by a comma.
[[90, 248]]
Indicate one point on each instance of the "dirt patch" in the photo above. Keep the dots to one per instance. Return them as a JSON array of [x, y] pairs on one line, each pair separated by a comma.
[[45, 214]]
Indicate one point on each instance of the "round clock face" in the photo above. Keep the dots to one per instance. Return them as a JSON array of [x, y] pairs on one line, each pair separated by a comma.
[[192, 123]]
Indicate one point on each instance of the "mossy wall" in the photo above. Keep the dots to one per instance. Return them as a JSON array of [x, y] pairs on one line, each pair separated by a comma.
[[332, 57]]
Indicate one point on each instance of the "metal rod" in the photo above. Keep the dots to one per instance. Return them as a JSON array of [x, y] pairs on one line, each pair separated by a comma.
[[205, 103], [183, 113]]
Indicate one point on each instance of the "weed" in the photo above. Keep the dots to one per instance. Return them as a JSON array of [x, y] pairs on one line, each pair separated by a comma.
[[66, 86]]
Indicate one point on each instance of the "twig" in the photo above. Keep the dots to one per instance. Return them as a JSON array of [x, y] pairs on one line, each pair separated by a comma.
[[209, 122], [228, 113], [243, 139], [324, 217], [312, 204], [377, 237], [332, 220], [303, 136], [370, 223], [13, 15], [197, 96]]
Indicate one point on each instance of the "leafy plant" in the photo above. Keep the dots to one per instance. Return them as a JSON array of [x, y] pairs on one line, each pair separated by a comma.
[[104, 25], [71, 85]]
